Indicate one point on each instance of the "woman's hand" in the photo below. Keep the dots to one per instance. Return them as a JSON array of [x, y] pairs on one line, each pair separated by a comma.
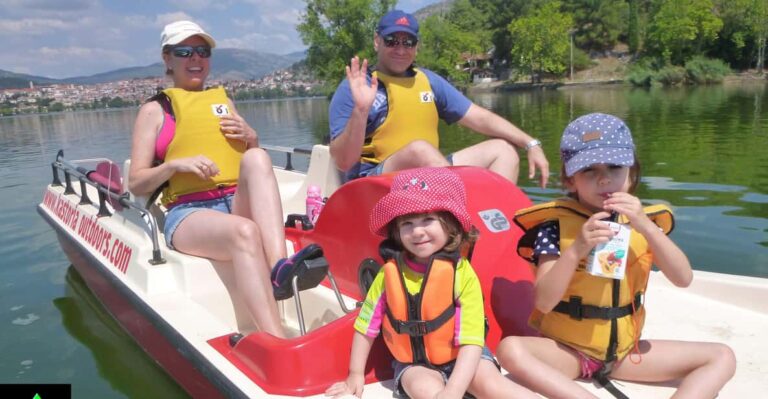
[[235, 127], [352, 386], [201, 166]]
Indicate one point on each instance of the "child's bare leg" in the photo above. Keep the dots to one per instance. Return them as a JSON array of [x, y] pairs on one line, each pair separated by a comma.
[[542, 365], [702, 367], [489, 383], [421, 382]]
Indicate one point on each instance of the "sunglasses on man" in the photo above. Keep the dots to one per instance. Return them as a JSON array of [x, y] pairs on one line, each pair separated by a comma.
[[187, 51], [407, 41]]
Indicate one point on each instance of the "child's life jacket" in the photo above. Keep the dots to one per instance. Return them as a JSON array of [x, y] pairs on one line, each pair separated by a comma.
[[600, 317], [420, 328], [198, 132]]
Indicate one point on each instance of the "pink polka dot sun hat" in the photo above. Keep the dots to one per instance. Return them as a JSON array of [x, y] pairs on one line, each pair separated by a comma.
[[421, 190]]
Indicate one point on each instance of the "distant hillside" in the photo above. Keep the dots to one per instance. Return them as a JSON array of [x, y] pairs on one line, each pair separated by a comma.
[[227, 64], [436, 8], [11, 80]]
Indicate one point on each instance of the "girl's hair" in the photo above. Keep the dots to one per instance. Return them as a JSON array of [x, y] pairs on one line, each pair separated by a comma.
[[634, 178], [456, 235]]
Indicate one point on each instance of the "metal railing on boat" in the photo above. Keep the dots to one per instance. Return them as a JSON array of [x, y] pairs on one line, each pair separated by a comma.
[[71, 169], [288, 151]]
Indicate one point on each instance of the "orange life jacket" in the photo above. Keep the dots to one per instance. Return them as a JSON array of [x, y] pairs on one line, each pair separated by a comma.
[[420, 328]]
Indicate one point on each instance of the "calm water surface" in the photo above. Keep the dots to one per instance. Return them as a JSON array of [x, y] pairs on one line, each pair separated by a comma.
[[703, 150]]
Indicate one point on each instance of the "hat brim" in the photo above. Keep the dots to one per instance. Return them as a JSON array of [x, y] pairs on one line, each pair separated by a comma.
[[621, 156], [398, 28], [176, 39], [399, 203]]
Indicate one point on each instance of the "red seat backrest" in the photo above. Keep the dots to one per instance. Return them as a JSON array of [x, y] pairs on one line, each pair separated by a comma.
[[507, 280], [108, 175]]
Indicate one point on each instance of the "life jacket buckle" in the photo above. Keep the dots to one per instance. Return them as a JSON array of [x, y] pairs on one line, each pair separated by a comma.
[[574, 308], [414, 328]]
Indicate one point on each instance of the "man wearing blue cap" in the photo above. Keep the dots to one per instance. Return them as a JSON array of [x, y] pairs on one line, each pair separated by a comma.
[[392, 114]]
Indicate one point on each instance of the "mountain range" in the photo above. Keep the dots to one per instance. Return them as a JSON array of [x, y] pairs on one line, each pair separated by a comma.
[[227, 64]]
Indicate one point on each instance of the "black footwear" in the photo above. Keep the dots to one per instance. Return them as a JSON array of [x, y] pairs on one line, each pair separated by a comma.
[[308, 264]]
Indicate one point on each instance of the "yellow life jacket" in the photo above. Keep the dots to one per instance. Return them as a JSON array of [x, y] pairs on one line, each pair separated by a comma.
[[419, 328], [198, 132], [412, 115], [601, 317]]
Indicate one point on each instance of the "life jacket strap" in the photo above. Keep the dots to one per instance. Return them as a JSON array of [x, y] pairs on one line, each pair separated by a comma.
[[418, 328], [601, 376], [574, 308]]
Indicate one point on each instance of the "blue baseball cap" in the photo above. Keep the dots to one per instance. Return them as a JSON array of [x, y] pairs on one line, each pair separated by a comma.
[[596, 139], [398, 21]]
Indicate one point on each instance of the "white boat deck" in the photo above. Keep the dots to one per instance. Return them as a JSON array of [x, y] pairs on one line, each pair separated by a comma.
[[195, 296]]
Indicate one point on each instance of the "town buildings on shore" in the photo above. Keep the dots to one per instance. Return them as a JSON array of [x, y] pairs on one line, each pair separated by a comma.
[[132, 92]]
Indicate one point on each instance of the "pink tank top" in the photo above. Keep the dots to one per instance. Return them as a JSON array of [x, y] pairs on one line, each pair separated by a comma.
[[164, 138]]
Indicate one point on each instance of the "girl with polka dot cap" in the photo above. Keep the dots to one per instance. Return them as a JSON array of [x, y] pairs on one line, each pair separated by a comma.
[[590, 325]]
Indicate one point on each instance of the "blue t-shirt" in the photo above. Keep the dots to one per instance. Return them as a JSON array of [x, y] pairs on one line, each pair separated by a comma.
[[451, 104]]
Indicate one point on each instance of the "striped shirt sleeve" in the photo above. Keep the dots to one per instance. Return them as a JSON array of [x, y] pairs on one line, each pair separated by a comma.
[[371, 315]]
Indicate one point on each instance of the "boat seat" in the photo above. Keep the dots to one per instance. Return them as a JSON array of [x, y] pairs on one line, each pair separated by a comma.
[[107, 175]]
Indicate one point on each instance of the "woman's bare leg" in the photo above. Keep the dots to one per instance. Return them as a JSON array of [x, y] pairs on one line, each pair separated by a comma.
[[258, 199], [224, 237]]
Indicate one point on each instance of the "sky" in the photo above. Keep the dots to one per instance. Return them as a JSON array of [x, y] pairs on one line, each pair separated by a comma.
[[67, 38]]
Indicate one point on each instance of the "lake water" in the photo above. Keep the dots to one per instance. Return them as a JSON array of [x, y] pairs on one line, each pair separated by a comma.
[[704, 151]]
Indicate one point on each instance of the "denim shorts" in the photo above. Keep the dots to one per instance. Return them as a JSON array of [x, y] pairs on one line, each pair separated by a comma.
[[444, 370], [181, 211], [365, 169]]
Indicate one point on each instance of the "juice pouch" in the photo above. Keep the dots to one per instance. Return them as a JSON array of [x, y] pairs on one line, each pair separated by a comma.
[[610, 259]]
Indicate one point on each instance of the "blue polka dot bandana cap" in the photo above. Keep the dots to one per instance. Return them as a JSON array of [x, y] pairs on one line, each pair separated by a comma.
[[596, 139]]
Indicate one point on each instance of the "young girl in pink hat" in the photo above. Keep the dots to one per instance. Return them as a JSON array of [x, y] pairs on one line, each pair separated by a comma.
[[426, 299]]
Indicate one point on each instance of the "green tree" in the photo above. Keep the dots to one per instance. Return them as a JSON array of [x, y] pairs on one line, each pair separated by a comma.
[[542, 39], [498, 14], [447, 39], [56, 107], [758, 21], [681, 28], [337, 30], [598, 23], [633, 28]]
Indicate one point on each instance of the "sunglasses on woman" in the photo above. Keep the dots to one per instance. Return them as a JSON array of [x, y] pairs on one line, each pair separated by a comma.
[[407, 41], [187, 51]]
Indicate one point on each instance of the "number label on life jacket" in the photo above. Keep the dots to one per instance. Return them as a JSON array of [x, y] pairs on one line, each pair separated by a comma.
[[220, 109]]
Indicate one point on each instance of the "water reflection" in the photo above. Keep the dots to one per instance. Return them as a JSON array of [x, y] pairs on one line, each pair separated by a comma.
[[118, 358]]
